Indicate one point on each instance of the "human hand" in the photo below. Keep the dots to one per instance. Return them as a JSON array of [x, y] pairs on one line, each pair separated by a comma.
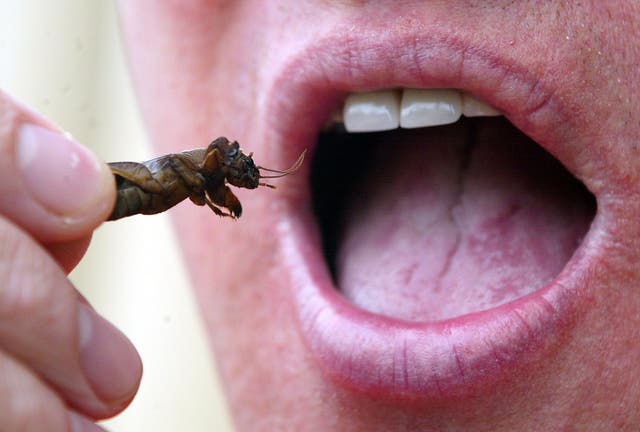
[[61, 364]]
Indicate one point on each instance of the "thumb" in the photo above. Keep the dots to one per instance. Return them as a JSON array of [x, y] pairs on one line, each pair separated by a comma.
[[50, 185]]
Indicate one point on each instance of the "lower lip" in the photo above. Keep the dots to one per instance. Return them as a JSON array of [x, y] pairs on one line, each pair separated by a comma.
[[394, 359]]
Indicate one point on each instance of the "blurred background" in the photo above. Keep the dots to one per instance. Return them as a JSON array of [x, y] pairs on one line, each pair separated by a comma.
[[64, 58]]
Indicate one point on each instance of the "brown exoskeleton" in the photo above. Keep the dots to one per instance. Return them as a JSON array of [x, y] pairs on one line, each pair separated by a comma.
[[201, 175]]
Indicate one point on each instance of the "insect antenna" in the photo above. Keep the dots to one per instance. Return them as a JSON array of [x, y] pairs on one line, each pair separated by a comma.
[[282, 173]]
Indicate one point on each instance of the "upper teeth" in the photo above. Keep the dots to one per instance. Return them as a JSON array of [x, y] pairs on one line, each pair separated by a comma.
[[409, 108]]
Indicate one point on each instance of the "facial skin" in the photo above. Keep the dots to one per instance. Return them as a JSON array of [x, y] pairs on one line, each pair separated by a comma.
[[294, 353], [268, 73]]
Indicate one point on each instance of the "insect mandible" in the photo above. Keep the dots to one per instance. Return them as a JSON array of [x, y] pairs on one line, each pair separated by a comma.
[[201, 175]]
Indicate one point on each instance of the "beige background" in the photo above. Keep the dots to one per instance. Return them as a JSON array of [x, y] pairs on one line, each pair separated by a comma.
[[63, 58]]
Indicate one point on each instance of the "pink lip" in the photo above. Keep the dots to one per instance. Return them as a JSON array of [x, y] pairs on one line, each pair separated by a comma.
[[391, 358]]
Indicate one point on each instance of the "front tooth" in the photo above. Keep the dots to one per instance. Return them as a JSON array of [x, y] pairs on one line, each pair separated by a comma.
[[472, 107], [429, 107], [372, 111]]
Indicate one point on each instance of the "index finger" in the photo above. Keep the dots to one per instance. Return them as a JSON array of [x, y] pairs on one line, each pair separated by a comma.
[[51, 186]]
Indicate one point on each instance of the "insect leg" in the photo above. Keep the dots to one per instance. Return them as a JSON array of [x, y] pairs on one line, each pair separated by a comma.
[[224, 197], [212, 159], [195, 182], [217, 210], [188, 173]]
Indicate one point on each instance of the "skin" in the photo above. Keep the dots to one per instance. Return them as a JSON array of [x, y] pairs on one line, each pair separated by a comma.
[[204, 68], [61, 364], [191, 70]]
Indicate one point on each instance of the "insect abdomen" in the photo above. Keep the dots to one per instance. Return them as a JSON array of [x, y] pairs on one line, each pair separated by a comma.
[[132, 200]]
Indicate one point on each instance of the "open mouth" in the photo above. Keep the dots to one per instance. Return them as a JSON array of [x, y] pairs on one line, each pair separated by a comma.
[[430, 260], [445, 216]]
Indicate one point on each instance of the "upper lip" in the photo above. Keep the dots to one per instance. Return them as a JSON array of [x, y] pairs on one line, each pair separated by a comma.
[[385, 356]]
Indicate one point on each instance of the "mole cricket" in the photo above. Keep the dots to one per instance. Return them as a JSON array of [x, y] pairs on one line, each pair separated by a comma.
[[201, 175]]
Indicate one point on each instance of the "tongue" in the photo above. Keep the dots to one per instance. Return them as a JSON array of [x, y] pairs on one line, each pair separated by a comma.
[[457, 219]]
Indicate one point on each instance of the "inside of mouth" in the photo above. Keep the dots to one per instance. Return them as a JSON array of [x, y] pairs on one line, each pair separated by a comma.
[[434, 223]]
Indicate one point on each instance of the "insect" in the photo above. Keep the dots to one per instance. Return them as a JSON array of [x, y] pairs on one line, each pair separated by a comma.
[[201, 175]]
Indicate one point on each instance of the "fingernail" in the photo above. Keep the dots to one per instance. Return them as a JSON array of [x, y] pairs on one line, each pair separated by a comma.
[[109, 360], [65, 177], [82, 424]]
